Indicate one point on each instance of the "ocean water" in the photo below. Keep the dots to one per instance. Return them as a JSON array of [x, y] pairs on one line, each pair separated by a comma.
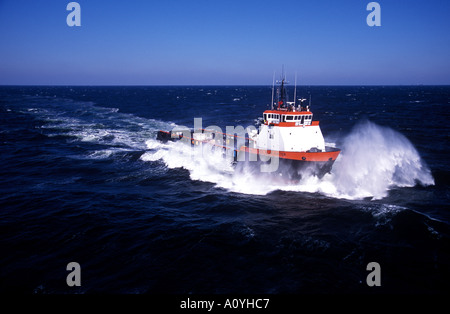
[[83, 179]]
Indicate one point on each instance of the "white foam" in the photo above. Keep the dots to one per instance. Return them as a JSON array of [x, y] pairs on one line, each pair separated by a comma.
[[153, 144], [373, 160], [101, 154], [106, 153], [153, 156], [203, 164]]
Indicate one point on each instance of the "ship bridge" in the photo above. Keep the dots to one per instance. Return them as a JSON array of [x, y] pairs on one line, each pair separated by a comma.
[[288, 118]]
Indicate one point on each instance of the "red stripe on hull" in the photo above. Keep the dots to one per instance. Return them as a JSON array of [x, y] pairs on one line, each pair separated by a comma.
[[304, 156]]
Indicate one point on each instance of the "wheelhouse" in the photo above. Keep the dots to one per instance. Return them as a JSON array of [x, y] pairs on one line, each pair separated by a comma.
[[299, 118]]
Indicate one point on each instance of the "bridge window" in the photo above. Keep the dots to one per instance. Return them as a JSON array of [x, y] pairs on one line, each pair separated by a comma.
[[308, 119], [272, 117]]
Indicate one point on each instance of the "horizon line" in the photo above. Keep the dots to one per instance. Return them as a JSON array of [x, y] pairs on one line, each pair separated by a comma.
[[215, 85]]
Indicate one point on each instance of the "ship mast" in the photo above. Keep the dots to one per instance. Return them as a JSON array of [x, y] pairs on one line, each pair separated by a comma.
[[281, 92], [273, 85], [295, 90]]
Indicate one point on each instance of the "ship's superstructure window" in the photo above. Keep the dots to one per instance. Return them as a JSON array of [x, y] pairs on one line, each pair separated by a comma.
[[271, 117], [308, 119]]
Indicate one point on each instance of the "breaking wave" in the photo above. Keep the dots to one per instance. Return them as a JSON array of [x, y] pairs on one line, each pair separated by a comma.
[[374, 159]]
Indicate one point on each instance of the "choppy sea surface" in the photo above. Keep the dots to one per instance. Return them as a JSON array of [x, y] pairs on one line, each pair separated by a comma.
[[83, 179]]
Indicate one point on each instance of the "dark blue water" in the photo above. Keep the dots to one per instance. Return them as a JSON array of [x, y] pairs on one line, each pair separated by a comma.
[[82, 179]]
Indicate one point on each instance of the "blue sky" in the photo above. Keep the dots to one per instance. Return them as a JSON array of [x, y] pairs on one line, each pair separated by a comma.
[[233, 42]]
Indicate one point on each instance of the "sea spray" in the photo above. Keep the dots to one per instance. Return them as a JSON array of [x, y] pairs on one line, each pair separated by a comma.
[[203, 163], [373, 160]]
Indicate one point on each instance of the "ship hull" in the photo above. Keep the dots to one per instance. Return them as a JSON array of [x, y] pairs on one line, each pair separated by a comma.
[[290, 166], [305, 163]]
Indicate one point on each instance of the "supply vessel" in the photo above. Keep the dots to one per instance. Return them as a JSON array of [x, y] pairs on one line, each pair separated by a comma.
[[288, 142]]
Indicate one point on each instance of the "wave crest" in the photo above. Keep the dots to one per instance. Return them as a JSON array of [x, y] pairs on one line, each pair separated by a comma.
[[373, 160]]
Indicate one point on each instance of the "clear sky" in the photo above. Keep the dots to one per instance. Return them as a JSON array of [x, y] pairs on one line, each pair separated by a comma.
[[217, 42]]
